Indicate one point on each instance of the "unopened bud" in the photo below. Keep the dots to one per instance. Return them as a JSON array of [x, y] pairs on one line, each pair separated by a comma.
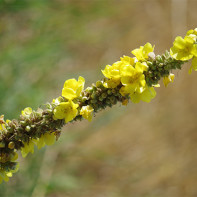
[[11, 145], [2, 144], [99, 84], [104, 95], [27, 128], [151, 55], [159, 58]]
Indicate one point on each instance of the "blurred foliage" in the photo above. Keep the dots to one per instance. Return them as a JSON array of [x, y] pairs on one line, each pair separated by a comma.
[[143, 150], [35, 40]]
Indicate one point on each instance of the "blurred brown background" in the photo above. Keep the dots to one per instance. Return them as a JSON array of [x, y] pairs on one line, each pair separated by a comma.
[[142, 150]]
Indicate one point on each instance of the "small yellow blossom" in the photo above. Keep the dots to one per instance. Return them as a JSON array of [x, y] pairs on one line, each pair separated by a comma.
[[133, 79], [2, 119], [5, 175], [2, 123], [66, 110], [194, 65], [113, 75], [86, 112], [27, 112], [192, 31], [72, 88], [168, 79], [147, 95], [1, 127], [142, 53], [28, 148], [57, 101], [126, 60], [184, 49], [46, 139]]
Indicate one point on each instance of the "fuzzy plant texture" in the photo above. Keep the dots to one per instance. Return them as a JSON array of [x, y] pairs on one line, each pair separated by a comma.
[[130, 78]]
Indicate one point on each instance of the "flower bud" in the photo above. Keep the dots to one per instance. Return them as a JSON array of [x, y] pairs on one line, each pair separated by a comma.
[[149, 63], [109, 92], [27, 128], [11, 145], [2, 144], [151, 55], [99, 84], [84, 99], [104, 95], [101, 98]]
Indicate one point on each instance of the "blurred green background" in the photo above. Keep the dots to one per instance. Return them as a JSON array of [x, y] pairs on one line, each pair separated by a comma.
[[142, 150]]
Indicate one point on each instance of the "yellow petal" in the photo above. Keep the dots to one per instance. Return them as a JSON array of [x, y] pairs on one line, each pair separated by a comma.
[[27, 111], [179, 42], [106, 71], [86, 112], [148, 94], [194, 65], [71, 83], [40, 142], [168, 79], [49, 138], [135, 98], [69, 93]]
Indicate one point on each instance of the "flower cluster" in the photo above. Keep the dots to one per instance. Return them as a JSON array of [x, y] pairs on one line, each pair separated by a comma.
[[131, 78], [5, 174], [129, 74], [186, 48], [68, 107], [6, 157]]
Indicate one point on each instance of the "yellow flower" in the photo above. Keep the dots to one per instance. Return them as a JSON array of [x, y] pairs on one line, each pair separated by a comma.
[[86, 112], [1, 127], [72, 88], [147, 95], [2, 123], [57, 101], [192, 31], [113, 75], [27, 112], [28, 148], [66, 110], [45, 139], [133, 79], [184, 49], [142, 53], [194, 65], [168, 79], [2, 119], [126, 60], [4, 175]]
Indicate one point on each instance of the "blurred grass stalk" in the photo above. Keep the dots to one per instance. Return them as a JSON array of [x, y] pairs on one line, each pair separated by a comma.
[[45, 173], [178, 17]]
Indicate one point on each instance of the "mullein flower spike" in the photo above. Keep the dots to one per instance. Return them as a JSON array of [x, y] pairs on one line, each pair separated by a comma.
[[130, 78]]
